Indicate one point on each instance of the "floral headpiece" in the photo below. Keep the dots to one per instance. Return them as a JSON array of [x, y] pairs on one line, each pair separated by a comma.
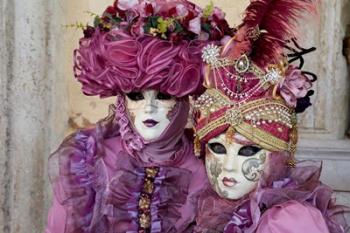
[[252, 88], [174, 20], [145, 44]]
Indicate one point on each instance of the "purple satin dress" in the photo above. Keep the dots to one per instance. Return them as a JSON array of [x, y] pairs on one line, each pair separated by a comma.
[[108, 181]]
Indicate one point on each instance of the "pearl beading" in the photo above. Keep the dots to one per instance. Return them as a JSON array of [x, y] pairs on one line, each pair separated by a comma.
[[258, 112], [211, 55]]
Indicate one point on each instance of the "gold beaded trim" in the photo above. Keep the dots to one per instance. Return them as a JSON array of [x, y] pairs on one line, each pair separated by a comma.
[[257, 111], [145, 200], [254, 69], [261, 137]]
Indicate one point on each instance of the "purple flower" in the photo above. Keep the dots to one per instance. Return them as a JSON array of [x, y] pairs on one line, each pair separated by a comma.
[[295, 86], [181, 10], [195, 25], [146, 8], [127, 4], [219, 13], [204, 36]]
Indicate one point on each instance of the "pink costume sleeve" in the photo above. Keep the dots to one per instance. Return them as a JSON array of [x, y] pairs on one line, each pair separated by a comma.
[[292, 217], [57, 218]]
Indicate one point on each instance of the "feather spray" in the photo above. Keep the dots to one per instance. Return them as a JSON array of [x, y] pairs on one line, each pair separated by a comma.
[[267, 24]]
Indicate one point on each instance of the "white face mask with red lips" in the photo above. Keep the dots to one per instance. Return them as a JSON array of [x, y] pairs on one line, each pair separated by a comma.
[[148, 111], [234, 168]]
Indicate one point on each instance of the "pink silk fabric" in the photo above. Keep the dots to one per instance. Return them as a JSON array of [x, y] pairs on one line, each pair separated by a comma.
[[56, 221], [292, 217]]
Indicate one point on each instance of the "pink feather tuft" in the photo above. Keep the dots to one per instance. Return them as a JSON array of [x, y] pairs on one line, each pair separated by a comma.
[[279, 19]]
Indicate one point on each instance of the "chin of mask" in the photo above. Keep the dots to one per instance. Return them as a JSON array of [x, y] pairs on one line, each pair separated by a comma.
[[234, 167], [149, 112]]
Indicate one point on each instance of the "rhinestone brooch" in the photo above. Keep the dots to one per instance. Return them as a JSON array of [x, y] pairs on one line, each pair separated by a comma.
[[210, 54]]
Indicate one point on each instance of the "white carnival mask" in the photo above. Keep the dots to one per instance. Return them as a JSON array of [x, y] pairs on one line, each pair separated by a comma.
[[149, 112], [234, 167]]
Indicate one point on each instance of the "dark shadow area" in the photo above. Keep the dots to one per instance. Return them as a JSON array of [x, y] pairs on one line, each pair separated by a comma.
[[345, 17]]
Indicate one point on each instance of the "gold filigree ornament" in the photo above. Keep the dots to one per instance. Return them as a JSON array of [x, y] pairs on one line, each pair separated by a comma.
[[234, 117], [145, 221], [230, 134], [245, 118], [144, 203], [256, 32], [148, 186], [293, 142], [197, 145], [151, 172]]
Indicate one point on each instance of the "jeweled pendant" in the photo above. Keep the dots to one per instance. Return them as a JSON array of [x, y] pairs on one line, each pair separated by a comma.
[[242, 64]]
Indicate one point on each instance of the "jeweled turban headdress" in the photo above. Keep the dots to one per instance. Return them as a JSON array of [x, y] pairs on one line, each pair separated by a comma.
[[251, 86], [148, 44]]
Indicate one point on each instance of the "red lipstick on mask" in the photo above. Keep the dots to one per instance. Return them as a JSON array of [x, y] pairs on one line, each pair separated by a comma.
[[150, 123], [229, 182]]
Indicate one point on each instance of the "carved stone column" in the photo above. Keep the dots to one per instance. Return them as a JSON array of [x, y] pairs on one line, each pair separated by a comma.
[[32, 106], [324, 125], [346, 53], [5, 67]]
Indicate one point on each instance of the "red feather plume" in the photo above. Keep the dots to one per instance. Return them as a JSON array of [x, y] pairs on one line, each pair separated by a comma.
[[277, 20]]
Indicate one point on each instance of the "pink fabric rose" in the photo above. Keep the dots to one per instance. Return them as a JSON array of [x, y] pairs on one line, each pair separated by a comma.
[[181, 10], [204, 36], [219, 13], [146, 8], [294, 86], [137, 29], [127, 4], [195, 25]]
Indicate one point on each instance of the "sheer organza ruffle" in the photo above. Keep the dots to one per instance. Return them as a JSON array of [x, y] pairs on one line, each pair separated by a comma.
[[98, 183], [171, 190], [278, 185], [78, 175]]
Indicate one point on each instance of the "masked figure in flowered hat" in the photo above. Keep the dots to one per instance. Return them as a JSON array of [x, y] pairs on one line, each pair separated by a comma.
[[136, 171], [247, 129]]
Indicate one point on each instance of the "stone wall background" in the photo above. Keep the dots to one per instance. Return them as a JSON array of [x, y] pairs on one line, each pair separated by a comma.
[[40, 102]]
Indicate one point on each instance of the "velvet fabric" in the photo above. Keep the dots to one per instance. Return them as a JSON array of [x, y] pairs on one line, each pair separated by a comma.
[[288, 200], [98, 181]]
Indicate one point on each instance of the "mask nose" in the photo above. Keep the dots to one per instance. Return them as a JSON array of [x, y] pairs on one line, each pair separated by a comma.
[[231, 162], [151, 105]]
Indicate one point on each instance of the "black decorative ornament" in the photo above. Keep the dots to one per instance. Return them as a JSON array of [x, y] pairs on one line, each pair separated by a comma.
[[304, 103]]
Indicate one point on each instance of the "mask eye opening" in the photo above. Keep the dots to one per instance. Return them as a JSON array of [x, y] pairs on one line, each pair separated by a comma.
[[163, 96], [217, 148], [135, 96], [249, 151]]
